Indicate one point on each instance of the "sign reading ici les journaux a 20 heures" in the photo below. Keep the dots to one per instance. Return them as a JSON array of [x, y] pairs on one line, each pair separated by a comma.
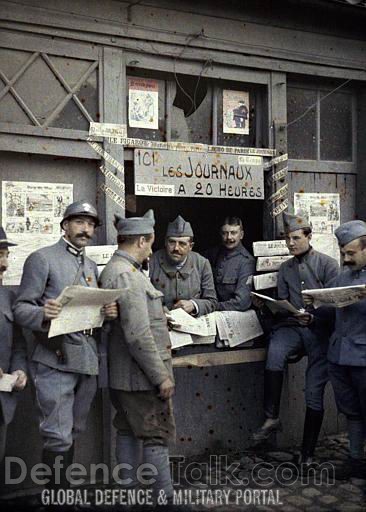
[[197, 174]]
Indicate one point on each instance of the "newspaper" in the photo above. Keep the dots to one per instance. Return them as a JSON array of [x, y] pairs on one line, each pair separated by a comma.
[[277, 306], [202, 326], [81, 307], [7, 382], [237, 327], [271, 263], [339, 297], [264, 281], [270, 248]]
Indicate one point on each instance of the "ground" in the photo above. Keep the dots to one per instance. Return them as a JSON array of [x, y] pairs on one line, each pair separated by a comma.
[[259, 479]]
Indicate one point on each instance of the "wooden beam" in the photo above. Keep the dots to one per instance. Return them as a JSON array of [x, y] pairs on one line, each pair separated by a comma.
[[220, 358]]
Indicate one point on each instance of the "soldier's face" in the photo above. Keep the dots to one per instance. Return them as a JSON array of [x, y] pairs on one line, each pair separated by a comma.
[[79, 230], [146, 249], [177, 248], [4, 254], [297, 242], [231, 236], [353, 255]]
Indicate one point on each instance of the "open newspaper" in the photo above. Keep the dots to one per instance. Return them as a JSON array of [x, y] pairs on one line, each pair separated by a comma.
[[339, 297], [277, 306], [81, 309]]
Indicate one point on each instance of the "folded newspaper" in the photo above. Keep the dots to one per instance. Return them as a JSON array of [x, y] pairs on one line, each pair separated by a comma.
[[339, 297], [7, 382], [81, 309], [277, 306], [233, 327]]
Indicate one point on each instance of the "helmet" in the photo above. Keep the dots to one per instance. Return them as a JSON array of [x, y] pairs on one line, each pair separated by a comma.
[[81, 208]]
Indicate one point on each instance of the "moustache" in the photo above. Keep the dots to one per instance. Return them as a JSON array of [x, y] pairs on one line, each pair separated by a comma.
[[348, 264], [82, 235], [3, 269]]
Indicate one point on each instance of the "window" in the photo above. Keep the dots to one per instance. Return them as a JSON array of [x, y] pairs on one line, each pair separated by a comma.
[[320, 124]]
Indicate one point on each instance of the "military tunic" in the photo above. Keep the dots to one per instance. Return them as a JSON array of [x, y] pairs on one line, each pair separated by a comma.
[[194, 281], [309, 271], [65, 386], [139, 351], [232, 271], [13, 356], [347, 349]]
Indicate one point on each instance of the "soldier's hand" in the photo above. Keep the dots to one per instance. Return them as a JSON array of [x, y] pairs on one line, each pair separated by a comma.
[[51, 309], [304, 318], [166, 389], [110, 311], [186, 305], [21, 381], [257, 302], [308, 299]]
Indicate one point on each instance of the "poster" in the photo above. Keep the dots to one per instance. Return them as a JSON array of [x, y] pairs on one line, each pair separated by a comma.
[[235, 112], [143, 103], [31, 215], [323, 211], [196, 174]]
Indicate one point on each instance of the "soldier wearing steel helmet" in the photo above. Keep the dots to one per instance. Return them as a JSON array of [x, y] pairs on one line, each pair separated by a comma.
[[63, 368]]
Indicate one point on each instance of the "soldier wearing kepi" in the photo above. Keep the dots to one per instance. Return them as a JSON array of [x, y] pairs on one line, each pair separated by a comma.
[[140, 361], [347, 347], [13, 356], [183, 276], [63, 368], [307, 269], [233, 267]]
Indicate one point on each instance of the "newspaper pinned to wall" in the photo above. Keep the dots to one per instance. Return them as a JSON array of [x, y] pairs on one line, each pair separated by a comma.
[[31, 216], [323, 211], [270, 248], [143, 103], [100, 254], [265, 281], [270, 263], [235, 112]]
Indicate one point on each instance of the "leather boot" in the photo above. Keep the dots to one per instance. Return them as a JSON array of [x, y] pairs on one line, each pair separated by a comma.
[[312, 426], [273, 381], [158, 456], [58, 478], [356, 438]]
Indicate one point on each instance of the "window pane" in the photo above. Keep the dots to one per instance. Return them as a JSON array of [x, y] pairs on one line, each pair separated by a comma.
[[336, 127], [301, 136]]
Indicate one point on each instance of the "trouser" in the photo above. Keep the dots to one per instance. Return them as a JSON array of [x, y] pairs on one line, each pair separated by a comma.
[[145, 424], [289, 340], [349, 385], [3, 430], [63, 401]]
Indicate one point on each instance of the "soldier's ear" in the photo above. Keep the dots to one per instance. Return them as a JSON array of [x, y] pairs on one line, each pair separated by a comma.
[[241, 234]]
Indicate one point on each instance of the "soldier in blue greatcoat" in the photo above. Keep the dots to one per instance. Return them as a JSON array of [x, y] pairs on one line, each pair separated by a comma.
[[64, 369], [308, 269], [232, 266], [13, 354]]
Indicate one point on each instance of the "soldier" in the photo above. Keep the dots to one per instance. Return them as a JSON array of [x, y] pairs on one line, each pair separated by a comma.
[[183, 276], [233, 267], [13, 348], [63, 368], [140, 361], [347, 347], [307, 269]]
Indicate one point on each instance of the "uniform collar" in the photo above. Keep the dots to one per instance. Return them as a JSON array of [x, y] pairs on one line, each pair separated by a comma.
[[171, 270], [239, 249], [72, 249], [128, 257]]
